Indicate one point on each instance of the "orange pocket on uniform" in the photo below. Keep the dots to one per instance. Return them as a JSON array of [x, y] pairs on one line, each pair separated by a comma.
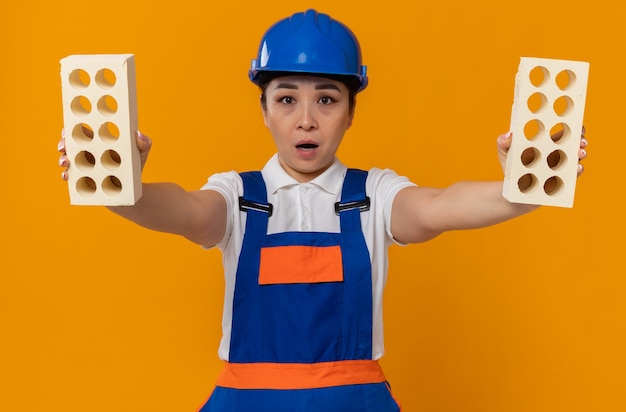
[[300, 264]]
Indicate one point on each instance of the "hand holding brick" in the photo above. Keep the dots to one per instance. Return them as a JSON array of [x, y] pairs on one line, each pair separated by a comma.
[[546, 121], [100, 121]]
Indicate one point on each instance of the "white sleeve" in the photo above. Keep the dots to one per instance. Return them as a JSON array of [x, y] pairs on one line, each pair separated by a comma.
[[230, 186], [385, 184]]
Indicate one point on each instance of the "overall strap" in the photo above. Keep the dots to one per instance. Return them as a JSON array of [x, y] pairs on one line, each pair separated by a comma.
[[254, 202], [354, 200]]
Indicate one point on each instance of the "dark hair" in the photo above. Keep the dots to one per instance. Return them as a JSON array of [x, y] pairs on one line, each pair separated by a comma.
[[351, 82]]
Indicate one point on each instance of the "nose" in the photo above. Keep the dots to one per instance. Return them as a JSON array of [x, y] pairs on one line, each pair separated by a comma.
[[307, 119]]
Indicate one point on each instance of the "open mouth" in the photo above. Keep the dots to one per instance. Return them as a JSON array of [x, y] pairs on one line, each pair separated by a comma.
[[307, 146]]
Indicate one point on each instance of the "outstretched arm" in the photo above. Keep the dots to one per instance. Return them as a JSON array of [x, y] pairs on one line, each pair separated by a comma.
[[422, 213], [200, 215]]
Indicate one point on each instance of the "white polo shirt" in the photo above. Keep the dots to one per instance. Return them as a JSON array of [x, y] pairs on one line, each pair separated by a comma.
[[309, 207]]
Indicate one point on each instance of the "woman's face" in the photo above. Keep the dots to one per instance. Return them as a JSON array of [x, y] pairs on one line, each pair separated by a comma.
[[307, 117]]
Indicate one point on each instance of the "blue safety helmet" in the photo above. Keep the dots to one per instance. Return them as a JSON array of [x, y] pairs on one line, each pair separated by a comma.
[[310, 43]]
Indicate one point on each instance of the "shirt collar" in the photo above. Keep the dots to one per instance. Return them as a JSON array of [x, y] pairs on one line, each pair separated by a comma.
[[277, 178]]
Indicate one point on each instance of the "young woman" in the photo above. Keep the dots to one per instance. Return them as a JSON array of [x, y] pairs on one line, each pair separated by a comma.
[[305, 239]]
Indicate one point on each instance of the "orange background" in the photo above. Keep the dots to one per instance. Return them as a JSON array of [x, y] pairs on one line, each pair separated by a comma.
[[98, 314]]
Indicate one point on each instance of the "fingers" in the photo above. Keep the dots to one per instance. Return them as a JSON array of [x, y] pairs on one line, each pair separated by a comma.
[[144, 143], [504, 141], [63, 160], [504, 144], [64, 174], [61, 144], [582, 151]]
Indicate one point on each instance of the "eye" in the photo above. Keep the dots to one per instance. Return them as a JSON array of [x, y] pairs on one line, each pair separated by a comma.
[[287, 100], [326, 100]]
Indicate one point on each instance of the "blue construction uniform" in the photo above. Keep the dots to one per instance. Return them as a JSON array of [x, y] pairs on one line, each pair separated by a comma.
[[302, 315]]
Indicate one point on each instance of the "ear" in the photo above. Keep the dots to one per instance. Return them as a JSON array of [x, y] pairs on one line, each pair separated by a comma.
[[352, 113], [263, 110]]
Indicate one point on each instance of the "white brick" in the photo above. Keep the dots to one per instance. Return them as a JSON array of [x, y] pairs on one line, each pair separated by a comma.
[[104, 84], [544, 107]]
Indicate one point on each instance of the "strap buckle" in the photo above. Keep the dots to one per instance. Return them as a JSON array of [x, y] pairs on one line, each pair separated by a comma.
[[245, 205], [362, 205]]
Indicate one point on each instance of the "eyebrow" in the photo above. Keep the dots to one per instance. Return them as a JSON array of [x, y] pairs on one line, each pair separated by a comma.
[[322, 86]]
